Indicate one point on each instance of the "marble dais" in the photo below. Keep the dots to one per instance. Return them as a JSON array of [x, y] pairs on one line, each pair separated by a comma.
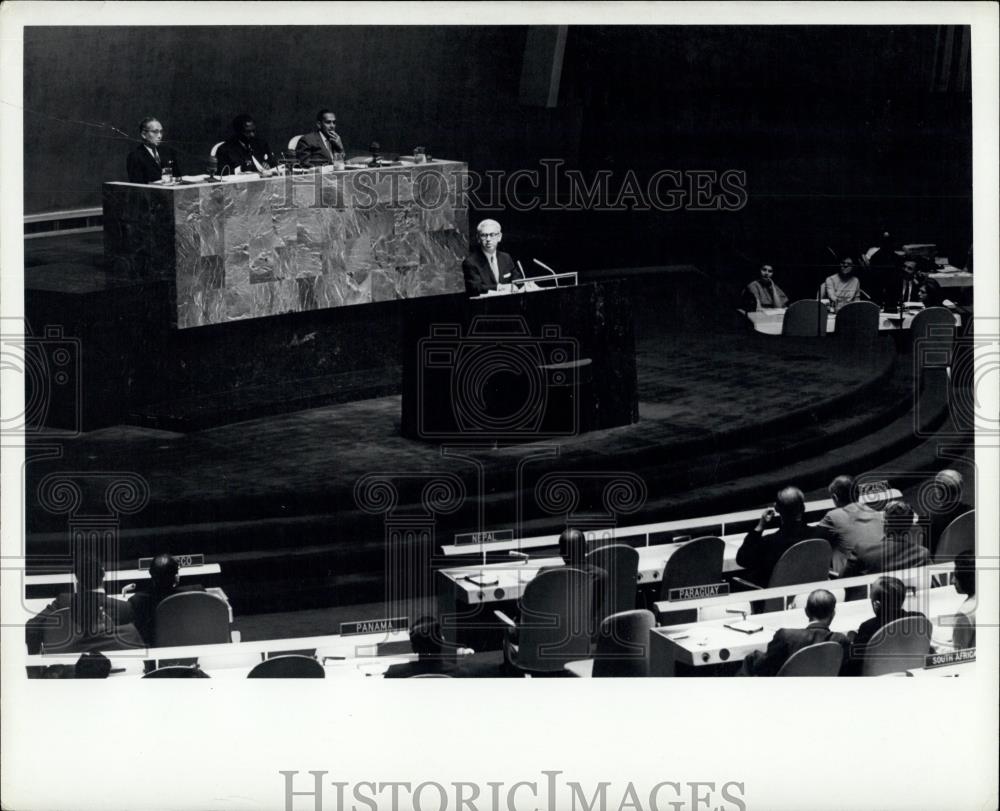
[[265, 246]]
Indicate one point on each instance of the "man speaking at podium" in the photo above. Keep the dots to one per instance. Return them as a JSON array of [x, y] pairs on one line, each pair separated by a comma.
[[486, 267]]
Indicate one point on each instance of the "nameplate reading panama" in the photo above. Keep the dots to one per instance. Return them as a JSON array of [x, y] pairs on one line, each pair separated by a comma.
[[694, 592], [374, 626]]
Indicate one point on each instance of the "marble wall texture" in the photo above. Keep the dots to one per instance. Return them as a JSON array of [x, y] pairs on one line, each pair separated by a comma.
[[264, 246]]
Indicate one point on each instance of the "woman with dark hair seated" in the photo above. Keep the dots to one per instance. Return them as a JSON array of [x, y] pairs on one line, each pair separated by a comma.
[[931, 294]]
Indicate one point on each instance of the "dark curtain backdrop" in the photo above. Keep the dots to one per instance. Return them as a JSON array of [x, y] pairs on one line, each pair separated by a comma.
[[841, 130]]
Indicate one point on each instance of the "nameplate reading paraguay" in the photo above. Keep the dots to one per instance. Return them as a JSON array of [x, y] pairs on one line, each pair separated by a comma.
[[493, 536], [694, 592], [182, 560], [374, 626], [950, 658]]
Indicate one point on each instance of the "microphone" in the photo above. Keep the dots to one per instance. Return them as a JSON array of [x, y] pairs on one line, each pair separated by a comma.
[[743, 614], [543, 265], [521, 556], [212, 166]]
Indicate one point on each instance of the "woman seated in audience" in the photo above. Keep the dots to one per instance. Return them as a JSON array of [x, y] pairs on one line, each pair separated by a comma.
[[961, 632], [904, 544], [931, 294], [763, 293]]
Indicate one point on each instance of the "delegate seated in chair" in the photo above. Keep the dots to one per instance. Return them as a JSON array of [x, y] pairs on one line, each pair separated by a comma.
[[820, 609], [887, 597], [84, 619], [428, 643], [759, 553], [901, 548], [164, 581]]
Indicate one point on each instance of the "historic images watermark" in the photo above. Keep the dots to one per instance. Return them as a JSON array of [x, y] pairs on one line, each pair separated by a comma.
[[550, 187], [547, 792]]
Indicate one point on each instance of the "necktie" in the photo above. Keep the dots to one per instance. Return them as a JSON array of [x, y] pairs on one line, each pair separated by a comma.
[[156, 156], [493, 268]]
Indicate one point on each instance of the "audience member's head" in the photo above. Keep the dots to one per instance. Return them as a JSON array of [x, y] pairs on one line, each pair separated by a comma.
[[909, 268], [425, 637], [965, 573], [898, 521], [846, 267], [151, 131], [930, 293], [951, 486], [244, 126], [790, 505], [766, 273], [820, 606], [573, 547], [92, 665], [888, 595], [841, 490], [164, 572], [89, 572]]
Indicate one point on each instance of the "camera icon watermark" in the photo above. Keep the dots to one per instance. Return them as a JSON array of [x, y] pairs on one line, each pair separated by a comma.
[[47, 369], [498, 382], [973, 378]]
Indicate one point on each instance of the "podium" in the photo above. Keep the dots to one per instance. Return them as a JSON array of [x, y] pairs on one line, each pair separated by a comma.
[[538, 366]]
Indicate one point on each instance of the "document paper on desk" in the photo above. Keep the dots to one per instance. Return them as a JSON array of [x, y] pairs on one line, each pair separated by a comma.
[[745, 626]]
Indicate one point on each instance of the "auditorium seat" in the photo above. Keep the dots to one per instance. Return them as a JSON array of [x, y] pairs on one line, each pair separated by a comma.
[[857, 321], [805, 318], [622, 647], [177, 672], [293, 666], [621, 562], [959, 536], [192, 618], [821, 659], [554, 626], [807, 561], [932, 332], [898, 646], [696, 563]]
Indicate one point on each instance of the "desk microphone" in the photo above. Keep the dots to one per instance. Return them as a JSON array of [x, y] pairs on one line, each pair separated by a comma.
[[543, 265], [743, 614], [521, 556]]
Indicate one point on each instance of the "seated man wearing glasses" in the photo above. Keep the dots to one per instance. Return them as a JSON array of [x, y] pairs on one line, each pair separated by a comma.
[[486, 267]]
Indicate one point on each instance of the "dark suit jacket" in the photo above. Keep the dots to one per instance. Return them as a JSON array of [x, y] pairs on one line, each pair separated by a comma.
[[479, 277], [420, 667], [234, 154], [786, 642], [897, 551], [312, 150], [758, 553], [142, 168], [118, 613], [861, 639]]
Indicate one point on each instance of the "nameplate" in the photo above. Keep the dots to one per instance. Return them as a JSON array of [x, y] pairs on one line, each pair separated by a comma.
[[951, 658], [493, 536], [374, 626], [182, 560], [695, 592], [876, 492]]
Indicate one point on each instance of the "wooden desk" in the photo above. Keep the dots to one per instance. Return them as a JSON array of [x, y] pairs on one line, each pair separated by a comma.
[[639, 535], [228, 655], [711, 643], [49, 585], [769, 321], [513, 577]]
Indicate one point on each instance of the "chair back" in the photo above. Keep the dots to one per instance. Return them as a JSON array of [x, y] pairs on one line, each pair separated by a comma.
[[293, 142], [805, 318], [897, 646], [191, 618], [177, 672], [959, 536], [623, 645], [805, 562], [215, 149], [621, 563], [430, 676], [294, 666], [857, 321], [935, 328], [555, 622], [695, 563], [821, 659]]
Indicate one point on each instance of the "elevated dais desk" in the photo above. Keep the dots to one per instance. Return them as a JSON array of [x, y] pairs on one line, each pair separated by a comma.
[[769, 321], [253, 246]]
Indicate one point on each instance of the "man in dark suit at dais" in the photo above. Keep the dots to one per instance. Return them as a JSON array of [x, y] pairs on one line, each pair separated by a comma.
[[486, 267]]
